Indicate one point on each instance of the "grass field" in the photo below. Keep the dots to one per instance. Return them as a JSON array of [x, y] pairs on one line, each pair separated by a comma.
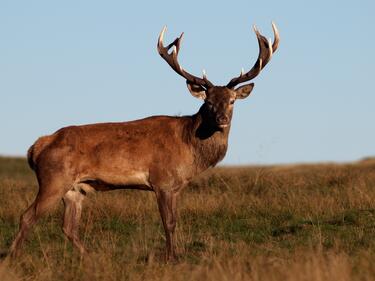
[[302, 222]]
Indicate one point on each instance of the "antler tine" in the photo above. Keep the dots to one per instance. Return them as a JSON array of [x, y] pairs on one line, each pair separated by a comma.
[[171, 59], [276, 35], [266, 50]]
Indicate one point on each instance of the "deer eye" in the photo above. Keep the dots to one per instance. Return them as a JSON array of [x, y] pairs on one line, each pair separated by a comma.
[[231, 102]]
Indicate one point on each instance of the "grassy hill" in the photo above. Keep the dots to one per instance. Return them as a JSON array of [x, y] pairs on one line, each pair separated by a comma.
[[296, 222]]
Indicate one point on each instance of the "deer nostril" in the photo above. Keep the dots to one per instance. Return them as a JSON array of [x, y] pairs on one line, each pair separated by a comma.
[[222, 119]]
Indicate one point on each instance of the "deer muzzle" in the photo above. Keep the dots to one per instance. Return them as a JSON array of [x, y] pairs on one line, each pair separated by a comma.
[[222, 121]]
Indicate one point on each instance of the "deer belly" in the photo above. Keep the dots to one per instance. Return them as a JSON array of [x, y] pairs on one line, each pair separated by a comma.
[[104, 182]]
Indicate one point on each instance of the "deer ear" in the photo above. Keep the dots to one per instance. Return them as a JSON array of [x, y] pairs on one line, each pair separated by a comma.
[[244, 91], [196, 90]]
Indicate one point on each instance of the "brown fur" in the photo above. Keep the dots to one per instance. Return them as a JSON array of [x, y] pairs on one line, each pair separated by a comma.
[[36, 149]]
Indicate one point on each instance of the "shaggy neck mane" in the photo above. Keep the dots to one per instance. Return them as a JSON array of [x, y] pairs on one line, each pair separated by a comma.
[[209, 142]]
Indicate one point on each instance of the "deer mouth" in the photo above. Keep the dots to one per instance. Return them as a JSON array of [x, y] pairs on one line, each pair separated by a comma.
[[222, 126]]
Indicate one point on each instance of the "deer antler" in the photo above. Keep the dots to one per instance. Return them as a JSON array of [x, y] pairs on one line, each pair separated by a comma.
[[171, 59], [266, 49]]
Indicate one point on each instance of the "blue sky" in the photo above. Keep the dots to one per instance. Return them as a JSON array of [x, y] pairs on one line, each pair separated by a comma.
[[77, 62]]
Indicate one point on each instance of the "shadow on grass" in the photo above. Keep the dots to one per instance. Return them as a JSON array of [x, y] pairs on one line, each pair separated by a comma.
[[348, 218]]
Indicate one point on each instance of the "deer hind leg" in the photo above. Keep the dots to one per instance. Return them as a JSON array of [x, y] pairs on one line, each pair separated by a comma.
[[72, 215], [43, 202], [167, 207], [27, 220]]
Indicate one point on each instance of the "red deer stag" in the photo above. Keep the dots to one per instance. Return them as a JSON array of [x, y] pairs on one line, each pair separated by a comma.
[[159, 153]]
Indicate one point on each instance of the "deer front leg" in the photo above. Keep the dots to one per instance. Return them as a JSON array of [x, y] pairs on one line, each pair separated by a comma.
[[168, 209]]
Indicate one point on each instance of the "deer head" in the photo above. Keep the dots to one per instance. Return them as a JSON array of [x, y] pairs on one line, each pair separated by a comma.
[[219, 100]]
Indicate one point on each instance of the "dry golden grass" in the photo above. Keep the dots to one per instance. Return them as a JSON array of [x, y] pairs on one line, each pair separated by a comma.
[[301, 222]]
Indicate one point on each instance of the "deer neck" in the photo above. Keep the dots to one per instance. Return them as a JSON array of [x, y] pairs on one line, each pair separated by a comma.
[[209, 143]]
